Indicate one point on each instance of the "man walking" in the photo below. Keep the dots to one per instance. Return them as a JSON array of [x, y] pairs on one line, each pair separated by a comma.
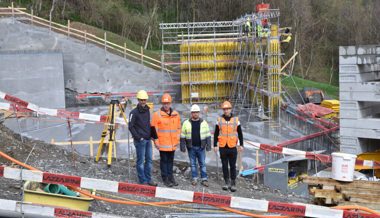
[[196, 137], [226, 135], [139, 126], [167, 126]]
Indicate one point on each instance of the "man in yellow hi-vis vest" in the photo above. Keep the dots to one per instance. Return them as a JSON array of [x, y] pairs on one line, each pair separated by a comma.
[[196, 138]]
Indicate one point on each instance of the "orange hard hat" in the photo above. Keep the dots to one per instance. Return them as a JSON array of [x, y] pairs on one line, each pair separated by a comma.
[[166, 98], [226, 105]]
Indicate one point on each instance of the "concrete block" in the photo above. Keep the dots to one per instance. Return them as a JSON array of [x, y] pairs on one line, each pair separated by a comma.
[[347, 50], [363, 123], [372, 87], [356, 110], [357, 69], [358, 96], [366, 59], [349, 145], [347, 60], [366, 49], [360, 133], [349, 69], [353, 105], [350, 149], [359, 78]]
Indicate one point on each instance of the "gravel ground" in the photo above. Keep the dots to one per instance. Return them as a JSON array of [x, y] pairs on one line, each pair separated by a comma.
[[51, 158]]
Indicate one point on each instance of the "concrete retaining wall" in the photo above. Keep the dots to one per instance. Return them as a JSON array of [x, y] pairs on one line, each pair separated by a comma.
[[33, 76]]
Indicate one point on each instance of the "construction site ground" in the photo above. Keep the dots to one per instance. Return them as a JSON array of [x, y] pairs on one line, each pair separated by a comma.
[[55, 159]]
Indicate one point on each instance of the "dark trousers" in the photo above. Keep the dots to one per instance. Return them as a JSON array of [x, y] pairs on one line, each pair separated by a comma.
[[228, 157], [166, 163]]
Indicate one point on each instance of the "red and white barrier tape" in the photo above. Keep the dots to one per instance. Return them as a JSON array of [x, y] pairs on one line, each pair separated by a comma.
[[18, 208], [295, 209], [308, 155], [61, 113]]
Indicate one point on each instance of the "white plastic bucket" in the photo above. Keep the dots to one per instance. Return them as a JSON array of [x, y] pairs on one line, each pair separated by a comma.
[[343, 166]]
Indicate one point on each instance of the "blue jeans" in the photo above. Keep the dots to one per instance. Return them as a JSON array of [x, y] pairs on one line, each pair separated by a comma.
[[144, 160], [198, 153]]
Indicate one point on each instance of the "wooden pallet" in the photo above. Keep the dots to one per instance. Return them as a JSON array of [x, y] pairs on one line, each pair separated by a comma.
[[329, 192]]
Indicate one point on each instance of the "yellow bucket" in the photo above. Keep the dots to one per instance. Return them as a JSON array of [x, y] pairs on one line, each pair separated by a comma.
[[33, 194]]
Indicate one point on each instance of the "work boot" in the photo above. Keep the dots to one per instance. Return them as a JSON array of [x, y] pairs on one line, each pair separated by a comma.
[[151, 183], [194, 182], [233, 186], [226, 186], [167, 182], [172, 180], [204, 183]]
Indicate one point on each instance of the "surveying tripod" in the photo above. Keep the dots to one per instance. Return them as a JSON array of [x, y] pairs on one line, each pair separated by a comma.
[[110, 130]]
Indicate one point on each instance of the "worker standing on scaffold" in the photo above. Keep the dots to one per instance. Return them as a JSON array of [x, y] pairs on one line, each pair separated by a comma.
[[167, 126], [226, 135], [139, 126], [248, 27]]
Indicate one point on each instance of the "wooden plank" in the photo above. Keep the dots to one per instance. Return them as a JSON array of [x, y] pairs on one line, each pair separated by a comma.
[[368, 205], [330, 182], [327, 197], [361, 191], [363, 198]]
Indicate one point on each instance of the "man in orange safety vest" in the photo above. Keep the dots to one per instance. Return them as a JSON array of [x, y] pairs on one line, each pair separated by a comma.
[[166, 124]]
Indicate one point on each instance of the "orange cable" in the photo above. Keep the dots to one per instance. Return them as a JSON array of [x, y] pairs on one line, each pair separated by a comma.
[[356, 207]]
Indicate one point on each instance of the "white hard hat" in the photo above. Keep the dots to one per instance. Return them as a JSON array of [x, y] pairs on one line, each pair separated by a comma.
[[195, 108]]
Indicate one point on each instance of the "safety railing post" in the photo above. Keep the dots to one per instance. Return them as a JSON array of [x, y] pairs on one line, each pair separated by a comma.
[[13, 13], [142, 54], [68, 28], [125, 50], [85, 36], [91, 147], [50, 22], [105, 41], [31, 17]]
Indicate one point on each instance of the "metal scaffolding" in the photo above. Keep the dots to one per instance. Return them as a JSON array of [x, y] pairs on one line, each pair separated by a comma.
[[227, 60]]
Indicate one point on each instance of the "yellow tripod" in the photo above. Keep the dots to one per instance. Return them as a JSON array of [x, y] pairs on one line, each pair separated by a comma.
[[110, 130]]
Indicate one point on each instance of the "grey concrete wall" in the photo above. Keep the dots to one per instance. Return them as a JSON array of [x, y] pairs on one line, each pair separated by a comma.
[[87, 68], [359, 74], [34, 76]]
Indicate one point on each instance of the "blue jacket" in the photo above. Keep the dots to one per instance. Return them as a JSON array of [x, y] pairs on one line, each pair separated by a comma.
[[139, 123]]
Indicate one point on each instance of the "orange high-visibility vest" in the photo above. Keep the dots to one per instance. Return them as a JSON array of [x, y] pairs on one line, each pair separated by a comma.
[[168, 129], [228, 134]]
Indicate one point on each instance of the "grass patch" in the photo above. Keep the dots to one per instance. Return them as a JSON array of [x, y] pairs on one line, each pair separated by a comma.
[[330, 90]]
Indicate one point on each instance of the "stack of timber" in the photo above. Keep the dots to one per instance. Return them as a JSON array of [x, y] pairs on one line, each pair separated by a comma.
[[329, 192]]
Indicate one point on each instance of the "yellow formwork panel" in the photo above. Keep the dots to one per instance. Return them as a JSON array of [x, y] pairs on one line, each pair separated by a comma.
[[199, 48], [206, 92], [207, 76], [207, 62], [274, 71]]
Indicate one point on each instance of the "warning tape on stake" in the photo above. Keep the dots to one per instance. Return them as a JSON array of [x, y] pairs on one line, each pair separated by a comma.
[[11, 206], [296, 209], [61, 113], [308, 155]]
